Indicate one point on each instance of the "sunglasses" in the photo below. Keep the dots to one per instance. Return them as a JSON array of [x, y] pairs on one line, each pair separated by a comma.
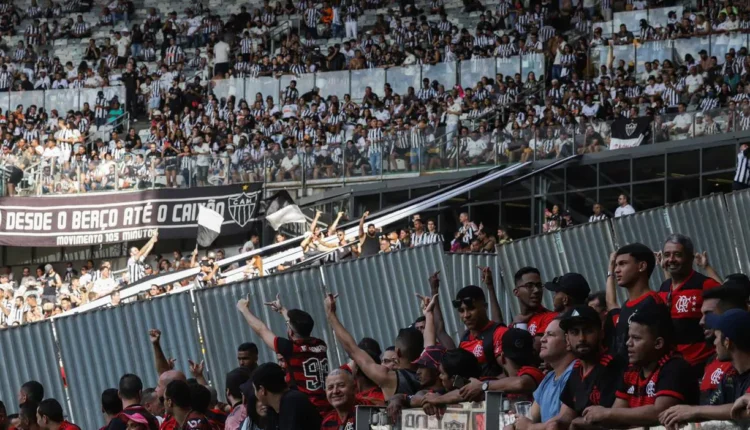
[[466, 301]]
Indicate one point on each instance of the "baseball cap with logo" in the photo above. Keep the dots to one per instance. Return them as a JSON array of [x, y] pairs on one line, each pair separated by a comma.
[[431, 357], [733, 325], [582, 315], [572, 284]]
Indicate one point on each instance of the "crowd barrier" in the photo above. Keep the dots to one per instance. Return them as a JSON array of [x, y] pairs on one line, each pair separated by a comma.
[[353, 82], [376, 299], [60, 100]]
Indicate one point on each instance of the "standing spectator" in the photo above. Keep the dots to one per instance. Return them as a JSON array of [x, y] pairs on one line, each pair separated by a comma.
[[466, 232], [130, 390], [502, 236], [287, 409], [554, 352], [222, 55], [571, 290], [178, 403], [50, 416], [529, 289], [630, 267], [137, 256], [742, 176], [368, 240], [598, 215], [306, 356], [655, 378], [683, 294], [482, 337], [624, 207], [595, 374], [51, 284]]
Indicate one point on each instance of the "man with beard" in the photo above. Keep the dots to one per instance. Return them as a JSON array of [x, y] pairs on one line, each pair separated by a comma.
[[630, 267], [533, 316], [482, 337], [595, 375], [368, 241], [683, 294], [721, 375], [247, 355], [571, 290]]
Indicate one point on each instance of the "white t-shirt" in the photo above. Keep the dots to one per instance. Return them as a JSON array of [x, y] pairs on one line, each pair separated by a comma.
[[221, 52], [289, 163], [624, 210], [104, 286]]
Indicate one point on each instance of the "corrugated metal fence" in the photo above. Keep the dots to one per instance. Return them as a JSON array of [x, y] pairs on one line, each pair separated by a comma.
[[377, 298]]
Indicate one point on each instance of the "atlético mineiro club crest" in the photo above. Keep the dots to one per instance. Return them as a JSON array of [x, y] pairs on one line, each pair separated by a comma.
[[242, 207], [630, 128]]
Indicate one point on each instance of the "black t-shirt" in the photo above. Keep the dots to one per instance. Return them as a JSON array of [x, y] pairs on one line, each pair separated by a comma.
[[597, 388], [618, 321], [297, 413], [732, 387]]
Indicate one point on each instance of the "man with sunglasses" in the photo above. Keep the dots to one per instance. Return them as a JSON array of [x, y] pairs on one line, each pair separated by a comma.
[[482, 337], [529, 290]]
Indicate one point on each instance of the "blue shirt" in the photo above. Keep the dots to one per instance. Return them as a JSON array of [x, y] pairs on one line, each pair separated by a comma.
[[547, 394]]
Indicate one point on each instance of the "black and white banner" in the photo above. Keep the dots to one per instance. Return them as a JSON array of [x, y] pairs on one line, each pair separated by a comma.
[[92, 219], [629, 133]]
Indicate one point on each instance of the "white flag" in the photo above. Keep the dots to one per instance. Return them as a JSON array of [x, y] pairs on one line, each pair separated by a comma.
[[209, 225], [285, 215]]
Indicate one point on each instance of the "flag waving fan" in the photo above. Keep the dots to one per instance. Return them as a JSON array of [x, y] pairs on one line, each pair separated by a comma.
[[282, 210], [209, 225]]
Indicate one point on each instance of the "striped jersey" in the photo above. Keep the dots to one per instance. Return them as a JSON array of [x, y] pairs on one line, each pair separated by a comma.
[[307, 368]]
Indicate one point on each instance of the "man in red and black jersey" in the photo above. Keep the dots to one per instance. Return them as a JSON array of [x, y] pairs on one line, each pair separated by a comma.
[[630, 267], [49, 416], [594, 377], [341, 394], [482, 337], [683, 293], [571, 290], [715, 302], [178, 403], [409, 344], [521, 366], [529, 290], [732, 342], [129, 390], [654, 379], [306, 356]]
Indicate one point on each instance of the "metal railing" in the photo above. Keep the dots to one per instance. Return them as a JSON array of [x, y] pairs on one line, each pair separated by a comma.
[[62, 100]]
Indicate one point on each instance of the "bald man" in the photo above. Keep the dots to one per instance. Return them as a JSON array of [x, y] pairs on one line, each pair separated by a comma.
[[340, 392]]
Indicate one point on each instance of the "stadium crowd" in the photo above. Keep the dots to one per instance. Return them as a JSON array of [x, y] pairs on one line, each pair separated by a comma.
[[197, 137], [672, 356]]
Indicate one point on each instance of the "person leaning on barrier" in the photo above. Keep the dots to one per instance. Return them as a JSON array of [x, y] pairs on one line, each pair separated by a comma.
[[655, 380]]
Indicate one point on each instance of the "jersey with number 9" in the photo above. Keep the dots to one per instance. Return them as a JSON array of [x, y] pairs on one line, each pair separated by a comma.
[[307, 368]]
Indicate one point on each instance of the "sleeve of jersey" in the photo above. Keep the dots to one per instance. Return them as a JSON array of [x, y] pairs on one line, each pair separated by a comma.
[[533, 372], [497, 339], [710, 283], [622, 387], [285, 347], [672, 381], [544, 322]]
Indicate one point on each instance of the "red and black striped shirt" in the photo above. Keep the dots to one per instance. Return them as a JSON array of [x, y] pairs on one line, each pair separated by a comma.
[[307, 368], [333, 421], [594, 388], [685, 301], [668, 379], [712, 376]]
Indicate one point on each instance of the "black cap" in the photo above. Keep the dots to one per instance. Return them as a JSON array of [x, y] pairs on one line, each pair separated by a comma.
[[580, 316], [572, 284], [518, 345]]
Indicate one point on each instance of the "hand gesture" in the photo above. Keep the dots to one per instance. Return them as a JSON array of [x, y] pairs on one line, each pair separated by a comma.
[[428, 303], [242, 304], [196, 369], [171, 363], [366, 214], [340, 214], [612, 261], [154, 335], [435, 282], [195, 251], [481, 226], [486, 274], [330, 303], [701, 259], [276, 304], [318, 212], [659, 258]]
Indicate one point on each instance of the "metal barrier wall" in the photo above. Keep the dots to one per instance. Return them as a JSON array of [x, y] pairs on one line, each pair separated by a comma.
[[99, 347], [29, 353], [379, 291], [738, 204], [224, 329], [376, 300]]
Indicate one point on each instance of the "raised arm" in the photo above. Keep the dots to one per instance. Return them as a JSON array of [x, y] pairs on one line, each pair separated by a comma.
[[160, 360], [428, 305], [362, 225], [256, 324], [332, 228], [611, 292], [381, 375], [315, 221], [437, 314], [497, 313], [701, 260], [148, 246]]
